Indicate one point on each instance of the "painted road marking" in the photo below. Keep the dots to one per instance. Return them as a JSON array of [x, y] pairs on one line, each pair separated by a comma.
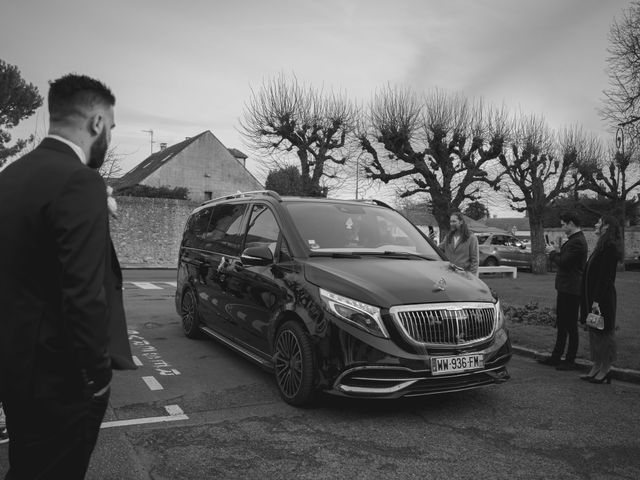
[[174, 411], [152, 383], [172, 284], [136, 360], [146, 285], [150, 353]]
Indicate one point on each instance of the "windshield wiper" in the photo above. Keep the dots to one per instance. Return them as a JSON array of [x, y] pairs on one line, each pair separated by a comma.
[[334, 254], [403, 255]]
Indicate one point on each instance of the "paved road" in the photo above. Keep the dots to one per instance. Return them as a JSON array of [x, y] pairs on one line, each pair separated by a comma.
[[195, 410]]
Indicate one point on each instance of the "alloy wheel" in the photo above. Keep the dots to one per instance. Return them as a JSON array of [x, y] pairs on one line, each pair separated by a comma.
[[288, 363]]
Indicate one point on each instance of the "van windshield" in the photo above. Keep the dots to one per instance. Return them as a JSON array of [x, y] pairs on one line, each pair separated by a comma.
[[340, 227]]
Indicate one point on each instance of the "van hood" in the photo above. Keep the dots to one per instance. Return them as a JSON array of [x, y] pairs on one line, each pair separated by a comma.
[[387, 282]]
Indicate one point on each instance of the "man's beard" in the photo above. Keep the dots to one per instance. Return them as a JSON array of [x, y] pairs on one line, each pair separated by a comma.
[[98, 151]]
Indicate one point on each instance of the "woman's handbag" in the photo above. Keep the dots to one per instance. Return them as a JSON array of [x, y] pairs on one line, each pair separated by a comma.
[[595, 321]]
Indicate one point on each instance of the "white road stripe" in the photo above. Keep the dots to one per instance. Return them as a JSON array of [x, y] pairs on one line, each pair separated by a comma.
[[152, 383], [173, 410], [173, 284], [142, 421], [136, 360], [146, 285]]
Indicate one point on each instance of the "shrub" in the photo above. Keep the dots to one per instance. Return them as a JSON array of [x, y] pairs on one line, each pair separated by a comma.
[[180, 193], [531, 314]]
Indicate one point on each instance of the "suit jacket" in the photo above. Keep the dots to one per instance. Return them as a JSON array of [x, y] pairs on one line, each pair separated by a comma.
[[54, 324], [119, 348], [571, 261], [599, 285]]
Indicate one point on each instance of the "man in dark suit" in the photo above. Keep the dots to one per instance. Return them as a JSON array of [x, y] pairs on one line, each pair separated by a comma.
[[58, 288], [570, 260]]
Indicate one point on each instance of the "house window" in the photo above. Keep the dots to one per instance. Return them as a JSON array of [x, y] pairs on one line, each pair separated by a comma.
[[207, 195]]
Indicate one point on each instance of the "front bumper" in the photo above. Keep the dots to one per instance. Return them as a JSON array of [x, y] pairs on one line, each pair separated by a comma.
[[389, 381]]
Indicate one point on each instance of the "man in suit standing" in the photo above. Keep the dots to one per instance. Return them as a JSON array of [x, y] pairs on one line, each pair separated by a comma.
[[55, 359], [570, 260]]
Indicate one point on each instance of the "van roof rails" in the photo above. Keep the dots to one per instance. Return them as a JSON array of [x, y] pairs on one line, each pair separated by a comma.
[[374, 201], [269, 193]]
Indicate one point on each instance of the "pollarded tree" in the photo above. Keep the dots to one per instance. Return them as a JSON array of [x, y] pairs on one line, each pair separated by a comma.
[[622, 98], [440, 145], [286, 117], [18, 100], [615, 178], [539, 166]]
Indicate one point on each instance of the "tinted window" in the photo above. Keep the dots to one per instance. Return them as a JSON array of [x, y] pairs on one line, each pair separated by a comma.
[[196, 228], [482, 238], [263, 228], [223, 234]]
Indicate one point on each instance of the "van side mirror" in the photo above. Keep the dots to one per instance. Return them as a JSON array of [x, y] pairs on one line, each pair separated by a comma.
[[257, 256]]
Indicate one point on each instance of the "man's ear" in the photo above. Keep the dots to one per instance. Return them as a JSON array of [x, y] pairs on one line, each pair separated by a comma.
[[96, 123]]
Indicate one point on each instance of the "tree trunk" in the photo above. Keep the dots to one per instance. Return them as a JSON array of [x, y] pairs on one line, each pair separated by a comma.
[[538, 255]]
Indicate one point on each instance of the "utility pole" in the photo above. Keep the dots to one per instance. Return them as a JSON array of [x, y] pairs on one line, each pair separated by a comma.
[[150, 132]]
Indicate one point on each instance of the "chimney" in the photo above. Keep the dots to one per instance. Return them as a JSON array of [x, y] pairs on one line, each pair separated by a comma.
[[163, 146]]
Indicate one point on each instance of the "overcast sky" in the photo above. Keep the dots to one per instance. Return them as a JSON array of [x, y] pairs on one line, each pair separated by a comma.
[[182, 67]]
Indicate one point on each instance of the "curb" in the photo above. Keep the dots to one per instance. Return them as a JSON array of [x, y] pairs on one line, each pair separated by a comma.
[[621, 374]]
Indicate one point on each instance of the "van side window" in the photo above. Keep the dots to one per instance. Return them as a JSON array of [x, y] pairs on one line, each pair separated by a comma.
[[263, 229], [224, 232], [196, 228]]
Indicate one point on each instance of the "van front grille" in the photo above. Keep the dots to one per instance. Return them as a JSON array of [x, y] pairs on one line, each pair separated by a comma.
[[446, 325]]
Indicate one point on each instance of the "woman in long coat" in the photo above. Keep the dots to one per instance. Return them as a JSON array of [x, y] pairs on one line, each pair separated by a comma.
[[460, 245], [599, 296]]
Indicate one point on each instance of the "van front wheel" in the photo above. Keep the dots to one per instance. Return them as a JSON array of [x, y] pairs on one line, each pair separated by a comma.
[[189, 311], [293, 362]]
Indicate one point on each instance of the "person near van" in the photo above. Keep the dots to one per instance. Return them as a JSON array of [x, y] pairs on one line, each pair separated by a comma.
[[599, 296], [460, 245], [55, 263], [570, 260]]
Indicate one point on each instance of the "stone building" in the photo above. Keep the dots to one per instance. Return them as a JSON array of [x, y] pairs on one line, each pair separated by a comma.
[[202, 164]]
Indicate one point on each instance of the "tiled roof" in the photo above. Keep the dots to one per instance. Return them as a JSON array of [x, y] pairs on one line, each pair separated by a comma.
[[152, 163]]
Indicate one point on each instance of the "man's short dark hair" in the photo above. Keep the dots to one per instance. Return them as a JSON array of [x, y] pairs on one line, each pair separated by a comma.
[[567, 217], [74, 94]]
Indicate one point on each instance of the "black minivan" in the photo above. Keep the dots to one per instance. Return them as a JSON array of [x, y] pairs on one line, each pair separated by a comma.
[[342, 296]]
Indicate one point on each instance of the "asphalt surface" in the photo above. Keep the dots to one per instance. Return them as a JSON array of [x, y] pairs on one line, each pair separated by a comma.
[[211, 414]]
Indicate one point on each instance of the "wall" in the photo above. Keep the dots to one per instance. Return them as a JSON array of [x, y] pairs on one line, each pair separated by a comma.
[[148, 231]]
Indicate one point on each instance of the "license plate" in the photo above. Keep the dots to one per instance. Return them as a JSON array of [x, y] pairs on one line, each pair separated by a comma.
[[459, 363]]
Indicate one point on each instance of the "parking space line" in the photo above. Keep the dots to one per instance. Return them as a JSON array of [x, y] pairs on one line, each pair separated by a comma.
[[136, 361], [174, 411], [152, 383]]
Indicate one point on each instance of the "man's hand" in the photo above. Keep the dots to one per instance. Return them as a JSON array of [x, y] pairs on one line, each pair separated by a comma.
[[111, 203]]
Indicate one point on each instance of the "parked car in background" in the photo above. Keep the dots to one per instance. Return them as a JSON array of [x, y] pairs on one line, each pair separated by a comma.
[[505, 249], [345, 297], [502, 249]]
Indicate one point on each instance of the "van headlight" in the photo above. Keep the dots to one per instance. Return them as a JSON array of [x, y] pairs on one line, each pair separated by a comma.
[[362, 315], [499, 316]]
